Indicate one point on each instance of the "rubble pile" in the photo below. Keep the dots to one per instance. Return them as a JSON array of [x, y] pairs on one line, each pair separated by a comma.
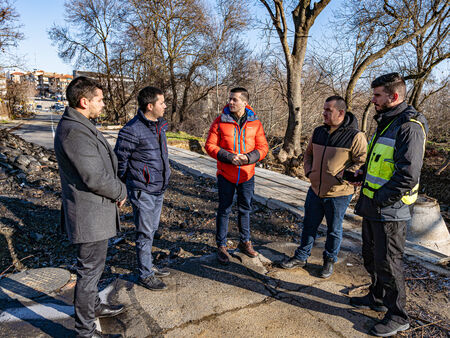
[[23, 163]]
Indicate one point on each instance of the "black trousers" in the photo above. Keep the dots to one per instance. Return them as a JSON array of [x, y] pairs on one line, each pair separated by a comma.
[[382, 250], [91, 259]]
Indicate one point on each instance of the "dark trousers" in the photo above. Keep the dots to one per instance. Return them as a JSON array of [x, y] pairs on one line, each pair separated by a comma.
[[333, 208], [91, 259], [244, 202], [146, 213], [382, 250]]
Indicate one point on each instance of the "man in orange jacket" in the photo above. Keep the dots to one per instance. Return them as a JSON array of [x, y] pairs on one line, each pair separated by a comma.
[[236, 140]]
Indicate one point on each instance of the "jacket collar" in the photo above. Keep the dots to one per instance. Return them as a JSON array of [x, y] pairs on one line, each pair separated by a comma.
[[147, 122], [349, 121], [226, 114], [389, 114], [72, 114]]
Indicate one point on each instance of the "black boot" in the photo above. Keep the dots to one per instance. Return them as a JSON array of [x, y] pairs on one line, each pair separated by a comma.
[[327, 269], [293, 263]]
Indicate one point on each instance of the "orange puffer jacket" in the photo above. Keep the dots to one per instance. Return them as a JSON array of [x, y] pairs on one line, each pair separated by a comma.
[[226, 138]]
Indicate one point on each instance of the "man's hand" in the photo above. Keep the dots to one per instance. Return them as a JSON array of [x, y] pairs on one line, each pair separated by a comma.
[[357, 184], [240, 159], [121, 203]]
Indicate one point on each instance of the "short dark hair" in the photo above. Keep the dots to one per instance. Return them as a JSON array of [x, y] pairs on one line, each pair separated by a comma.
[[392, 83], [81, 87], [242, 91], [340, 102], [148, 95]]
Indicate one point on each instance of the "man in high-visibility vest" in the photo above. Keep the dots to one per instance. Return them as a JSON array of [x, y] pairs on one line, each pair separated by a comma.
[[389, 189]]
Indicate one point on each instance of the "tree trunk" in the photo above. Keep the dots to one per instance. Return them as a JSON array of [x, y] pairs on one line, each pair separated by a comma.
[[416, 91], [291, 146], [174, 114], [365, 117]]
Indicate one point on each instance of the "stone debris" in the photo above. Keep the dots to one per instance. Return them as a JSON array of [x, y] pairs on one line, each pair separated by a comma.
[[23, 163]]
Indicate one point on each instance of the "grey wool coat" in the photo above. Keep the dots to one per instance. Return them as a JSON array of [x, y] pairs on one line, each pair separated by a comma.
[[89, 182]]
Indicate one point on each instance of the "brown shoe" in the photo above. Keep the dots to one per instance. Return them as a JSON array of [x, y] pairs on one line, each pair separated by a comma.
[[247, 248], [222, 255]]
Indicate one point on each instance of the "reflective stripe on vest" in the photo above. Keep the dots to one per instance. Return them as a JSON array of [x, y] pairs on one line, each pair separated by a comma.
[[381, 165]]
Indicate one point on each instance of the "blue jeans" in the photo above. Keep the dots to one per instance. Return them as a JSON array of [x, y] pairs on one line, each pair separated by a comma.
[[146, 213], [333, 208], [244, 202]]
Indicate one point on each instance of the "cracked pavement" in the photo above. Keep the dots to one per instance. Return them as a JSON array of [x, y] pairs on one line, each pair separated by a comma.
[[248, 297]]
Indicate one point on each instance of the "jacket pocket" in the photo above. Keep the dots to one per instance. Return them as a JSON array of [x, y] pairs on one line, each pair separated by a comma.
[[146, 174]]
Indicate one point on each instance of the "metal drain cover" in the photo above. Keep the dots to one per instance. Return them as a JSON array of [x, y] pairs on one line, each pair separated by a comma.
[[33, 283]]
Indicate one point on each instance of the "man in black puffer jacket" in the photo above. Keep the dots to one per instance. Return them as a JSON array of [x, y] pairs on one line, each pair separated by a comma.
[[141, 149], [389, 190]]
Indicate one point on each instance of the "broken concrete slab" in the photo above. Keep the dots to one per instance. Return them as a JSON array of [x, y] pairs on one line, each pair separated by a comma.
[[248, 297]]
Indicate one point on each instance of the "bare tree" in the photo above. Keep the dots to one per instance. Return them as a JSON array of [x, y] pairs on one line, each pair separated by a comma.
[[9, 29], [430, 49], [189, 38], [18, 97], [10, 35], [95, 26], [383, 26], [304, 14]]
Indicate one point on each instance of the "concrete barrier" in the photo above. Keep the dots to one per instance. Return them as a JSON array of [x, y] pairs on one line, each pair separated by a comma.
[[427, 226]]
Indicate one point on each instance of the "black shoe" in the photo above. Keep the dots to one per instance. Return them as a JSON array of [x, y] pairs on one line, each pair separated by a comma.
[[327, 269], [98, 334], [366, 302], [105, 310], [160, 272], [152, 283], [387, 327], [293, 263]]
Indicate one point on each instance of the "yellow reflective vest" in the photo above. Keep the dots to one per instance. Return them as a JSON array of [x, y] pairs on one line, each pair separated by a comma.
[[380, 164]]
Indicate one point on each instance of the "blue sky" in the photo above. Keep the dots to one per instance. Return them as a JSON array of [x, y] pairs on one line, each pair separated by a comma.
[[37, 16]]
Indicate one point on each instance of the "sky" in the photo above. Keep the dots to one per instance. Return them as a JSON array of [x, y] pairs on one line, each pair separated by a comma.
[[38, 16]]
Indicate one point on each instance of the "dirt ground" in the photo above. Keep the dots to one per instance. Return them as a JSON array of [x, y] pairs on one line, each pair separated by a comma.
[[30, 238]]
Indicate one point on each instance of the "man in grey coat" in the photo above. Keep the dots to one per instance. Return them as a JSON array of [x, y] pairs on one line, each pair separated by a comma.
[[91, 195]]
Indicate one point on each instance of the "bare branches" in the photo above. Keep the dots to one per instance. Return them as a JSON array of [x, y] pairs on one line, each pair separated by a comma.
[[383, 29], [303, 17], [9, 29]]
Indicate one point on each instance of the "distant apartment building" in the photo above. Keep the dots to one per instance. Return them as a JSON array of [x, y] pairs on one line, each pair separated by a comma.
[[47, 84], [16, 76], [127, 82], [52, 84]]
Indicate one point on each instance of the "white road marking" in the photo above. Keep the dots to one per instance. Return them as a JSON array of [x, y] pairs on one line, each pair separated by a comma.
[[49, 311], [53, 129]]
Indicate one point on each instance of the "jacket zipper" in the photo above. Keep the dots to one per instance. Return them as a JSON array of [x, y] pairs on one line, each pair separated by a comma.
[[321, 162], [158, 131], [239, 149], [239, 145]]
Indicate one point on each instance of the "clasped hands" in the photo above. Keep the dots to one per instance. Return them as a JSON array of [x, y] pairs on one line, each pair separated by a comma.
[[239, 159]]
